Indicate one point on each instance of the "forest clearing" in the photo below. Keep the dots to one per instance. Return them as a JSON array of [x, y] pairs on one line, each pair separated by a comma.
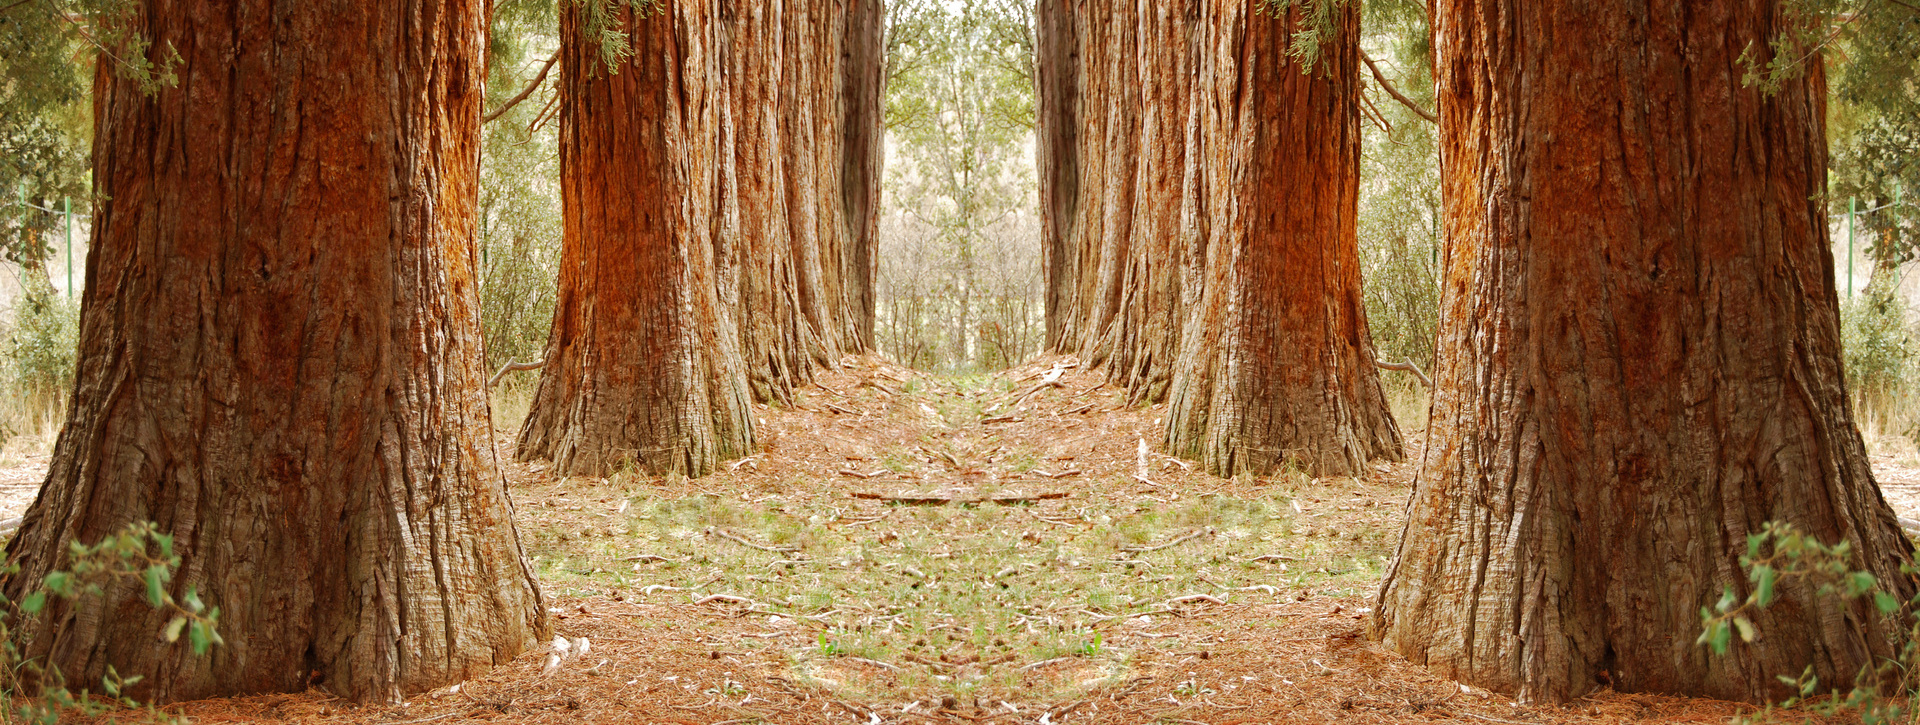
[[1023, 361], [889, 555]]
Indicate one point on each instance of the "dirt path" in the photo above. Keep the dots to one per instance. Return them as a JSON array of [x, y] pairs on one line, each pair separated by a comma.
[[910, 548]]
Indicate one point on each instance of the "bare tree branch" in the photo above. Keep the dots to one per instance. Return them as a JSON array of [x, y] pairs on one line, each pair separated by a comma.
[[1395, 92], [528, 91]]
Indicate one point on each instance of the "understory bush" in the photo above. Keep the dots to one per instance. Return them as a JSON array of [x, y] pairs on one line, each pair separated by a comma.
[[1879, 353], [1780, 556], [39, 340], [140, 554]]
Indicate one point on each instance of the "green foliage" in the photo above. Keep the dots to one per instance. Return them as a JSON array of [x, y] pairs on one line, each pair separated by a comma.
[[1875, 128], [1399, 225], [1779, 556], [1317, 24], [959, 269], [606, 24], [38, 347], [139, 554], [45, 124], [520, 222], [1878, 350]]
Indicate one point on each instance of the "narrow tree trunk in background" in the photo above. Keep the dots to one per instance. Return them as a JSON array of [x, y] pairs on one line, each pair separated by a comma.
[[642, 366], [1639, 361], [280, 362], [750, 261], [1201, 190]]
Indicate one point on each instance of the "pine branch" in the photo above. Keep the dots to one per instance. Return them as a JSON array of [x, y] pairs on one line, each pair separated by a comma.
[[1395, 92]]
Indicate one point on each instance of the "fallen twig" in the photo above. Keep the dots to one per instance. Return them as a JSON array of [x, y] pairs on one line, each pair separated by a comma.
[[711, 598], [838, 409], [1081, 409], [1008, 418], [744, 541], [650, 557], [1270, 557], [862, 476], [1043, 663], [1069, 473], [1209, 598], [1176, 541]]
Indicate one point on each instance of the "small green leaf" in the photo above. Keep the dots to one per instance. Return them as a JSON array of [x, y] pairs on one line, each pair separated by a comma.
[[1887, 603], [1764, 578], [1726, 600], [197, 635], [155, 574], [1746, 628], [1859, 583], [1722, 635], [174, 627], [192, 599], [59, 583], [34, 602]]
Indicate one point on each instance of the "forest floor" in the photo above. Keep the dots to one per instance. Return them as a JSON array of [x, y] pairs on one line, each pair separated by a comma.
[[912, 548]]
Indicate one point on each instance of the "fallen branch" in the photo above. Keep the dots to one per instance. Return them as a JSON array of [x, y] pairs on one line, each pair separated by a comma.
[[744, 541], [1176, 541], [1409, 367], [1209, 598], [1270, 557], [838, 409], [1081, 409], [1008, 418], [1069, 473], [862, 476], [510, 367], [711, 598], [938, 498], [650, 557]]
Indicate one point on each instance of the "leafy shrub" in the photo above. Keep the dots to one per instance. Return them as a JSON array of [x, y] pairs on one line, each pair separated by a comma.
[[37, 351], [1878, 350], [138, 553], [1780, 554]]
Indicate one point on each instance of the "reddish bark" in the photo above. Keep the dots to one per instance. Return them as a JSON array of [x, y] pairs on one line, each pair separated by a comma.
[[1214, 264], [280, 362], [1638, 361], [755, 125], [642, 364]]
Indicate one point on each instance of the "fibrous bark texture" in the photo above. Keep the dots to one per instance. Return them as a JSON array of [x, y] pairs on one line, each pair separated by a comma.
[[754, 128], [1201, 189], [1638, 361], [280, 362]]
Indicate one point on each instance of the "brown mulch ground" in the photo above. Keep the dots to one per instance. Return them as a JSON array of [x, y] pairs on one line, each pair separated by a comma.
[[1295, 657]]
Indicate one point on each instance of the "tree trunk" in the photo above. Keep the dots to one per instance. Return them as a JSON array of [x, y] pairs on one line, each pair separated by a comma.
[[280, 362], [1276, 363], [1215, 263], [642, 366], [749, 264], [1639, 361]]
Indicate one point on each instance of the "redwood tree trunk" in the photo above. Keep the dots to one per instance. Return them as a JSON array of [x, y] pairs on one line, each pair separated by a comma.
[[750, 262], [1277, 362], [280, 362], [1201, 188], [1639, 361], [642, 365]]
